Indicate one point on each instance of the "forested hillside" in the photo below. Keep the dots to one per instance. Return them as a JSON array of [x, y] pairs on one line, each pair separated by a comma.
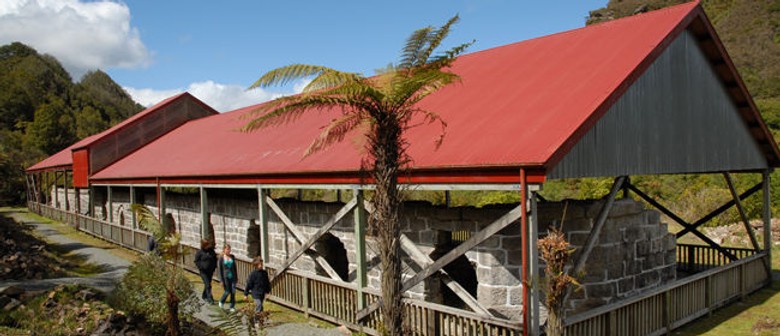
[[43, 111], [750, 31]]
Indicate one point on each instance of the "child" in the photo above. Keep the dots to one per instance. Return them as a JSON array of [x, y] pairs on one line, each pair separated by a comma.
[[258, 285]]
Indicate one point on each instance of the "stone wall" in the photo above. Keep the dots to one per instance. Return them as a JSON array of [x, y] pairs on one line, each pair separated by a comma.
[[634, 252]]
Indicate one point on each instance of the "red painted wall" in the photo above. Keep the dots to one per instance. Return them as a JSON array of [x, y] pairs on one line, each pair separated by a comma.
[[81, 168]]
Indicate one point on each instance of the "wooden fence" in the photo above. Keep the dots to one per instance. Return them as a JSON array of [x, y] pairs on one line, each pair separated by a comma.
[[314, 295], [655, 312]]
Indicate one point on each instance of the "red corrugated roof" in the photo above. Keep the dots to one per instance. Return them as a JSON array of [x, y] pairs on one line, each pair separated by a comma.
[[520, 105], [63, 158]]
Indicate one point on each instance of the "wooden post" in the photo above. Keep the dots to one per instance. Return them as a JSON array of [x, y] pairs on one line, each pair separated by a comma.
[[306, 296], [767, 216], [56, 203], [91, 203], [708, 294], [65, 187], [204, 214], [533, 270], [526, 247], [161, 205], [110, 201], [262, 209], [359, 215], [612, 323], [132, 213]]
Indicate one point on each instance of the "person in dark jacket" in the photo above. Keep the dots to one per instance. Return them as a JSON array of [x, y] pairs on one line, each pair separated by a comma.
[[206, 261], [152, 246], [258, 284], [229, 277]]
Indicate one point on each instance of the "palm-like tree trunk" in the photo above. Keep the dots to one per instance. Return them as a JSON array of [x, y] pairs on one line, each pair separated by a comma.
[[385, 220]]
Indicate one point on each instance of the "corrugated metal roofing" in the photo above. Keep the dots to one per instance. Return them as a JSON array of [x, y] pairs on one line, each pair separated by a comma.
[[520, 105], [62, 158]]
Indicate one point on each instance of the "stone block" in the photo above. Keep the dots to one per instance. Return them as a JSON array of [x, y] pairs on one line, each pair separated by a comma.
[[490, 243], [592, 275], [642, 248], [634, 233], [578, 238], [669, 273], [648, 279], [515, 295], [578, 224], [514, 258], [498, 276], [512, 243], [625, 285], [491, 295], [492, 258], [601, 290], [670, 257]]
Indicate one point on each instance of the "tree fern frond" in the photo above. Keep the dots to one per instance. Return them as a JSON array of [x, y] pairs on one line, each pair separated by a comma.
[[148, 221], [414, 44], [434, 40], [336, 130], [331, 78], [289, 73]]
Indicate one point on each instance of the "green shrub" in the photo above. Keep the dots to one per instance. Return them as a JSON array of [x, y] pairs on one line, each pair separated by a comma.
[[142, 291]]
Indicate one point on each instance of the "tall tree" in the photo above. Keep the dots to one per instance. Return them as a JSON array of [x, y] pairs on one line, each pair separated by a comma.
[[380, 108]]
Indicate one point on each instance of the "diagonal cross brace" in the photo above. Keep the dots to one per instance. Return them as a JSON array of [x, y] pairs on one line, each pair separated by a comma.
[[467, 245], [307, 245], [682, 222], [424, 260], [300, 237], [741, 210], [720, 210]]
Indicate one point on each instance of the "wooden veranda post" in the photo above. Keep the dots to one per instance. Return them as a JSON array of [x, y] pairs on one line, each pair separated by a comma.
[[533, 269], [526, 247], [262, 215], [767, 214], [204, 214], [360, 248], [133, 219], [110, 206]]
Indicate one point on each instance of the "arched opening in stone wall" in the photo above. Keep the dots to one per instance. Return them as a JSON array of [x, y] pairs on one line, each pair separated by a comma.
[[460, 270], [169, 223], [253, 239], [333, 251]]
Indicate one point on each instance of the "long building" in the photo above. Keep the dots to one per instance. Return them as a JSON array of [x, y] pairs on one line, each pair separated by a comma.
[[654, 93]]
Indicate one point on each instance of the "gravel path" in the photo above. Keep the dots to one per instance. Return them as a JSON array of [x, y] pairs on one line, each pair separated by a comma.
[[115, 267]]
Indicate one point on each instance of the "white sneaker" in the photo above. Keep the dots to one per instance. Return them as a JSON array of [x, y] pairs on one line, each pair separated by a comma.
[[232, 310], [221, 304]]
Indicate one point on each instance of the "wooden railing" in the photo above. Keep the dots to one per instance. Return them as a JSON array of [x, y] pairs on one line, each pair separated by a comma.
[[655, 312], [663, 309], [314, 295], [697, 258]]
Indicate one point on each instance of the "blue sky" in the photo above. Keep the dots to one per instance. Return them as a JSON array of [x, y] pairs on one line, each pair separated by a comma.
[[215, 49]]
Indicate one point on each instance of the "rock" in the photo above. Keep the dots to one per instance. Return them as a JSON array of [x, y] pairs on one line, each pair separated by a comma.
[[13, 291], [11, 305], [85, 295]]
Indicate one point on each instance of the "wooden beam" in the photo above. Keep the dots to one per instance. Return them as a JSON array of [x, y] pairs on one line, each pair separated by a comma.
[[424, 260], [767, 216], [741, 210], [300, 237], [204, 214], [719, 210], [262, 213], [361, 272], [475, 240], [110, 201], [593, 237], [682, 222], [325, 228]]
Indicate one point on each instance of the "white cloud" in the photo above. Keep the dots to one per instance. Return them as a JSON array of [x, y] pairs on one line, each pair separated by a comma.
[[82, 35], [222, 97]]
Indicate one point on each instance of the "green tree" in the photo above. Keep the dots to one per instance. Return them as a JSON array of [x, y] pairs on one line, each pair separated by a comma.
[[381, 107], [52, 128]]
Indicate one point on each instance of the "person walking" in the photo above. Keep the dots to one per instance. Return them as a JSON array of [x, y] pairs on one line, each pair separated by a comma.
[[206, 261], [229, 277], [257, 284]]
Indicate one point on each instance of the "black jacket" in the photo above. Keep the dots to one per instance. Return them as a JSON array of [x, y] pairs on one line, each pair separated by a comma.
[[223, 272], [206, 260], [258, 284]]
